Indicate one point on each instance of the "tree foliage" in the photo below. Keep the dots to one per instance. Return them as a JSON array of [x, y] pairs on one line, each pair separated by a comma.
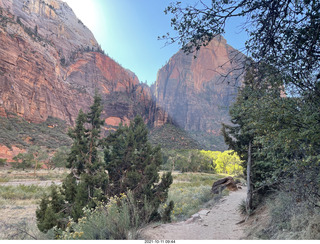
[[284, 34], [34, 157], [129, 164], [284, 49], [282, 131], [133, 165]]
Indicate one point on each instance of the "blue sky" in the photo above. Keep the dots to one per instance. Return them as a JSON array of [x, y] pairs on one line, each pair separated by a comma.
[[128, 31]]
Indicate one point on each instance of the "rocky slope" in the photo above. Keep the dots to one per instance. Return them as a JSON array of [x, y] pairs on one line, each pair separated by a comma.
[[51, 65], [197, 93]]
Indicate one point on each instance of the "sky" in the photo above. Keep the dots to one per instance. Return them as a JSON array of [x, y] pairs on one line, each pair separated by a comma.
[[128, 31]]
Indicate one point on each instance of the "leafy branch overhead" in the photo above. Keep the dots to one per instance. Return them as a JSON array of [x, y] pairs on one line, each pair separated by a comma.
[[284, 34]]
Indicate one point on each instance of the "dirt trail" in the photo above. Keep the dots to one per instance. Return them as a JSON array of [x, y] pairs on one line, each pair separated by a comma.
[[218, 223]]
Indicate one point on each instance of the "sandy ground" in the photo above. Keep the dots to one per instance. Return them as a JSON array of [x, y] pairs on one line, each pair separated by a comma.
[[218, 223]]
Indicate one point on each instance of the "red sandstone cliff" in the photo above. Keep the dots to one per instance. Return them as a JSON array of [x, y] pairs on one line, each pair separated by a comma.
[[197, 93], [51, 65]]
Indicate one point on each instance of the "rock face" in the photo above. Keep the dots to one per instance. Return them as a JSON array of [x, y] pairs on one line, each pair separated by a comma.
[[51, 65], [9, 153], [197, 93], [221, 184]]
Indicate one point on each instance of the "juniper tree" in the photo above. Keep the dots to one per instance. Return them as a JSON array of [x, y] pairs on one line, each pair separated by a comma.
[[87, 181], [133, 164], [85, 165], [130, 163]]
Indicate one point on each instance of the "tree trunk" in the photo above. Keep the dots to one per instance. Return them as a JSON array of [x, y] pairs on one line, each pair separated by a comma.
[[35, 168], [249, 185]]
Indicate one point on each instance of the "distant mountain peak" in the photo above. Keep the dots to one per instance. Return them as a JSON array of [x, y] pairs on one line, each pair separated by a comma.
[[197, 92]]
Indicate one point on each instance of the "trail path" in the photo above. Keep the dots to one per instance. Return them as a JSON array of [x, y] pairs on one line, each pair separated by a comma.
[[218, 223]]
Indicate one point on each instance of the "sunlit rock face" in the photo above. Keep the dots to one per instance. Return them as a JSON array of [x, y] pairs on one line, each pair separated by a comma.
[[51, 65], [197, 92]]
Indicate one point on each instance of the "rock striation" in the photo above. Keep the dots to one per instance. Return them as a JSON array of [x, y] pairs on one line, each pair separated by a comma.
[[197, 92], [51, 65]]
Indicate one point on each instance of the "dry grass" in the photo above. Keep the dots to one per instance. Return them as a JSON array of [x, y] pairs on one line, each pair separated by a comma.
[[13, 213], [280, 217], [20, 193], [7, 175], [191, 192]]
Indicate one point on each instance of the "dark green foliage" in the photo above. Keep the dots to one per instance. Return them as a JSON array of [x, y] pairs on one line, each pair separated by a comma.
[[50, 211], [86, 168], [3, 162], [130, 164], [283, 133], [69, 186], [256, 103], [133, 164], [167, 212]]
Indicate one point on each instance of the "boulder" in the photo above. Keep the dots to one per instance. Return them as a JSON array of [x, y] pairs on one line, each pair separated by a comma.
[[221, 184]]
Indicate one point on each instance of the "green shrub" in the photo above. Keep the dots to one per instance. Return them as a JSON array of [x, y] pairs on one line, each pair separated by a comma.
[[3, 162], [119, 219]]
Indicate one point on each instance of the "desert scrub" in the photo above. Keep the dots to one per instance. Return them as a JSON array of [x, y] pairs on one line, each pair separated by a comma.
[[22, 192], [290, 219], [118, 219], [190, 192]]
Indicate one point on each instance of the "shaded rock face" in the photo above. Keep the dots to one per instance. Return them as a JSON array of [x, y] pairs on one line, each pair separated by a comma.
[[197, 93], [51, 65], [220, 185]]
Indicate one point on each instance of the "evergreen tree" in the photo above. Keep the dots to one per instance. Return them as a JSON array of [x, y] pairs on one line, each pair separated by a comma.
[[133, 165], [130, 164], [87, 181], [51, 211]]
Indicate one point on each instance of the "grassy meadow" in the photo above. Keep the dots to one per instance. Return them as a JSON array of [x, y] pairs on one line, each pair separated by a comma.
[[18, 203], [191, 192]]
